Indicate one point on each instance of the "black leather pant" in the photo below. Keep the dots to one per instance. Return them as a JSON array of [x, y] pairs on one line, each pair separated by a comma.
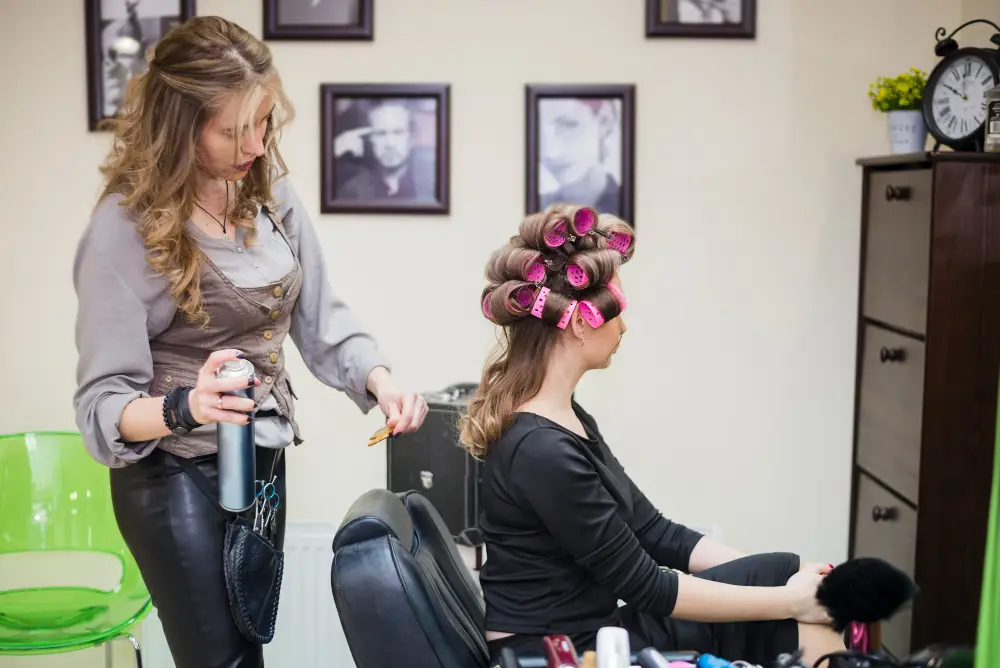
[[176, 536]]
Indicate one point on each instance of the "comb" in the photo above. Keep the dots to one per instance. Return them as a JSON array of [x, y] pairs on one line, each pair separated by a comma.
[[379, 436]]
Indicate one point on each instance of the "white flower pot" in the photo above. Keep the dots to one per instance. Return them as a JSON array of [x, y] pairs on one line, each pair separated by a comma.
[[907, 132]]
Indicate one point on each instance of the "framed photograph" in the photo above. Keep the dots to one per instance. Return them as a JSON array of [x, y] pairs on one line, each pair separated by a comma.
[[580, 147], [318, 19], [385, 148], [119, 32], [701, 18]]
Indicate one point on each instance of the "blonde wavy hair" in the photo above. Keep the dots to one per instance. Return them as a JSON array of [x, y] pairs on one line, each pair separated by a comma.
[[195, 70], [551, 246]]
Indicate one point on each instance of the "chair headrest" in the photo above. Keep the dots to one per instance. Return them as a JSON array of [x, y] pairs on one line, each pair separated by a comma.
[[375, 514]]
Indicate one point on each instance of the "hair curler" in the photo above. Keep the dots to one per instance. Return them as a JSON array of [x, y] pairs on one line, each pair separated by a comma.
[[556, 236], [560, 652], [584, 220], [613, 649], [619, 241], [524, 296], [486, 305], [534, 272], [576, 276]]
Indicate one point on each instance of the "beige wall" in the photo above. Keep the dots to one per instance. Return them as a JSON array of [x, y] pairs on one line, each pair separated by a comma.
[[731, 399], [979, 34]]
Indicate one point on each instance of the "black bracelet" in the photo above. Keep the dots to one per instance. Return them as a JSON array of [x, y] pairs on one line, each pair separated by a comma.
[[177, 412]]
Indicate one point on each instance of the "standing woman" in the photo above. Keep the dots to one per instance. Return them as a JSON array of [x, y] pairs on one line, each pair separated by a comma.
[[200, 252]]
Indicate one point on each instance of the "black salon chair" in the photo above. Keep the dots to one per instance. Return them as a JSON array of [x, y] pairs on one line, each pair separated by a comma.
[[403, 596], [435, 536]]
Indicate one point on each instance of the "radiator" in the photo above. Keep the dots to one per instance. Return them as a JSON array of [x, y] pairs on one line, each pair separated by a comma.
[[308, 632]]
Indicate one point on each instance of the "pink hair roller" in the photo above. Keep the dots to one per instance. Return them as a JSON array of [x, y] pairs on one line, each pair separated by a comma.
[[524, 296], [539, 306], [619, 295], [619, 241], [567, 314], [535, 273], [557, 235], [584, 220], [591, 315], [577, 277], [486, 306]]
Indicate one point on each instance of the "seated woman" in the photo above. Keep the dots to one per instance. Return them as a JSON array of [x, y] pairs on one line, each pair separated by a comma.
[[568, 534]]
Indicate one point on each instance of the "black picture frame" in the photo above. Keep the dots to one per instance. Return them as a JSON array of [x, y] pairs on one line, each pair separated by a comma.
[[656, 26], [95, 57], [363, 30], [333, 181], [626, 93]]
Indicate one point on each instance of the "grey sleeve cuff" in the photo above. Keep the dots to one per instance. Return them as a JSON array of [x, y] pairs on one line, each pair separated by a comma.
[[101, 436], [358, 357]]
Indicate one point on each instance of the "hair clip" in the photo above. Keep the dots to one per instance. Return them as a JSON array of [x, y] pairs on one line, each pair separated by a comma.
[[555, 263]]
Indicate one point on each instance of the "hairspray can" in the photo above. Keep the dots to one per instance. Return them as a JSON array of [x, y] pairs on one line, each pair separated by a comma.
[[237, 463]]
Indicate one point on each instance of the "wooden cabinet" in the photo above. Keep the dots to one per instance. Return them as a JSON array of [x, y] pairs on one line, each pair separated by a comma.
[[926, 394]]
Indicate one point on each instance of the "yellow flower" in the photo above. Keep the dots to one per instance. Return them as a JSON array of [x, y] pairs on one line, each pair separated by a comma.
[[904, 88]]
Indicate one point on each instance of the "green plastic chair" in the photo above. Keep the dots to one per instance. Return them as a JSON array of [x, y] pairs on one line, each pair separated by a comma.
[[988, 634], [67, 580]]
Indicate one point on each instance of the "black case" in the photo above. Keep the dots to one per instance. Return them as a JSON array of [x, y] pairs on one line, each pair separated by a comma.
[[431, 461]]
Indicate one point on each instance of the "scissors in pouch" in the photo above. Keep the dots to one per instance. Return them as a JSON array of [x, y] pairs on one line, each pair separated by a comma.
[[266, 505]]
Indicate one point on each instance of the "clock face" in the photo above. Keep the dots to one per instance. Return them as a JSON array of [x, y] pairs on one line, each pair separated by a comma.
[[959, 104]]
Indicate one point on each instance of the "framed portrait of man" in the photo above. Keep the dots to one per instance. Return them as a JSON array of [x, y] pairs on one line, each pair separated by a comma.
[[580, 147], [319, 19], [385, 148], [119, 33], [701, 18]]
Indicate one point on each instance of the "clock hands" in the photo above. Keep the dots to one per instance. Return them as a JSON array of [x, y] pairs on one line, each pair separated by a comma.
[[961, 95]]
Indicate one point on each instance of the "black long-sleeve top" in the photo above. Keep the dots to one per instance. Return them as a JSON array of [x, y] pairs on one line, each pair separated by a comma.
[[568, 533]]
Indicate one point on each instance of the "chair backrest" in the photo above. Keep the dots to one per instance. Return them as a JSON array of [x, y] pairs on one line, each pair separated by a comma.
[[395, 604], [59, 541], [434, 535]]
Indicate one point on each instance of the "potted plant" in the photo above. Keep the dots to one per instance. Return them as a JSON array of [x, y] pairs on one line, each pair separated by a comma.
[[900, 99]]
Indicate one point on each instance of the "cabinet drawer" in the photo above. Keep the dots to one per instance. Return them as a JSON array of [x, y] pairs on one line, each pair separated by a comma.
[[897, 248], [885, 527], [890, 409]]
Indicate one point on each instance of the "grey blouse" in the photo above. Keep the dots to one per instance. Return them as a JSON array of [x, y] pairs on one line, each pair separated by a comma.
[[122, 305]]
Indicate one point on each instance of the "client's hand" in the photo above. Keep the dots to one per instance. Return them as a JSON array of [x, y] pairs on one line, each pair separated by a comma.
[[802, 592]]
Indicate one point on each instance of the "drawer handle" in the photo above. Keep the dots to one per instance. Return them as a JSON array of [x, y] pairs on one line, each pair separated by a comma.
[[897, 193], [886, 514], [891, 354]]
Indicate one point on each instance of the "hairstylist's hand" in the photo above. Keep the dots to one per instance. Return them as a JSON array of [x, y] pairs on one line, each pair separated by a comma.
[[404, 411], [206, 401], [802, 589]]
